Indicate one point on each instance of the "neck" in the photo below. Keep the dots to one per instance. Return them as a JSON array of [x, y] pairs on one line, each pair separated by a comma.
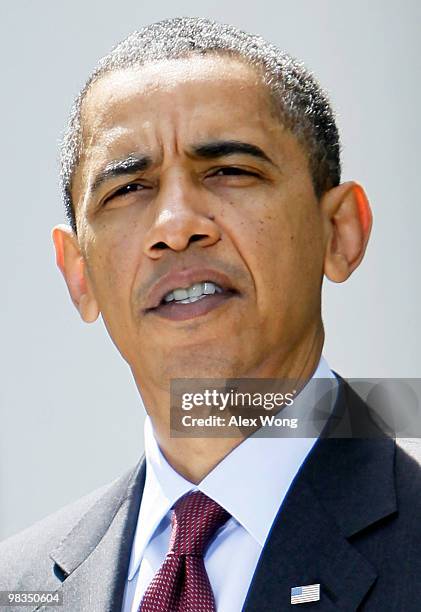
[[194, 458]]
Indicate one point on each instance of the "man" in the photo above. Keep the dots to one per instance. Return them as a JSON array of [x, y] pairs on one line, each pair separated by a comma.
[[201, 178]]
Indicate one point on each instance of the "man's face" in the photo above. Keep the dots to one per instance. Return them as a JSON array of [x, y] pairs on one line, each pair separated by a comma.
[[166, 198]]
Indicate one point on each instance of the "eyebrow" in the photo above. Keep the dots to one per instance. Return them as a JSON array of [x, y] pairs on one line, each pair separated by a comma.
[[222, 148], [121, 167], [132, 164]]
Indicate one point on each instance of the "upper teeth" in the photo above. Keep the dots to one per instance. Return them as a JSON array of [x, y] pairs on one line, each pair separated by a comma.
[[192, 293]]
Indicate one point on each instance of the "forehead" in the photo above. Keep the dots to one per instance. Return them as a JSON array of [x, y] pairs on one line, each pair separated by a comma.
[[196, 97]]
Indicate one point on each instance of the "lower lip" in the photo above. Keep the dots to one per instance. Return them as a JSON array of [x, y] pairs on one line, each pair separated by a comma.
[[182, 312]]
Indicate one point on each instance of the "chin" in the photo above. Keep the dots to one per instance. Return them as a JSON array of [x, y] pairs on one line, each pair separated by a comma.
[[199, 363]]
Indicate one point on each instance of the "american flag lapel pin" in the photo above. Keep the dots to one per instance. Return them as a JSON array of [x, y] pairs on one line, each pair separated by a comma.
[[304, 594]]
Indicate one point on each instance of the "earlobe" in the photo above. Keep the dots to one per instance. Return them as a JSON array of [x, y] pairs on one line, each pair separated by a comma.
[[71, 264], [88, 309], [348, 221]]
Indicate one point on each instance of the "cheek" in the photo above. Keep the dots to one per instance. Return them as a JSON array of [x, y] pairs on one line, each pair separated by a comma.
[[113, 259], [283, 249]]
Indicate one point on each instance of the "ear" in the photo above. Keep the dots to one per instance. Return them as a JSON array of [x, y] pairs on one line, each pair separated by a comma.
[[347, 224], [72, 265]]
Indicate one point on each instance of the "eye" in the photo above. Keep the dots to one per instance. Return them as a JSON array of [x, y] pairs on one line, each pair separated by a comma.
[[125, 191], [233, 171], [130, 188]]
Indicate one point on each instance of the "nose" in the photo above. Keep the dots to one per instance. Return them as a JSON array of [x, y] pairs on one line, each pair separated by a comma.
[[181, 217]]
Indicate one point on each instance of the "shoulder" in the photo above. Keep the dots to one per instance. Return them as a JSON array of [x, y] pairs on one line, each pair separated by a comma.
[[30, 548]]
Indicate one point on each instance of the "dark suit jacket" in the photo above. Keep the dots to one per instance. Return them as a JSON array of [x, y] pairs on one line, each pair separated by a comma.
[[351, 521]]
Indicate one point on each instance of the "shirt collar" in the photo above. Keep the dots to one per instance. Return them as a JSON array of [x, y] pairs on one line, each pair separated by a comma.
[[261, 468]]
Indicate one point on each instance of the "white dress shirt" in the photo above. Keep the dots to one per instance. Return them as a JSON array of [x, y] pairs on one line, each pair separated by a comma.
[[250, 483]]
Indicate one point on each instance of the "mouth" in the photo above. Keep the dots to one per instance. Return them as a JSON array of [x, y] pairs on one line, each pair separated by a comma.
[[183, 296]]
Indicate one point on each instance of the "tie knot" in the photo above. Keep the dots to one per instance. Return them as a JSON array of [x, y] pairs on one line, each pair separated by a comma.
[[195, 520]]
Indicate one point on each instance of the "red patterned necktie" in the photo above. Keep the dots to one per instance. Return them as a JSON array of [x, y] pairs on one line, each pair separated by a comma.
[[182, 584]]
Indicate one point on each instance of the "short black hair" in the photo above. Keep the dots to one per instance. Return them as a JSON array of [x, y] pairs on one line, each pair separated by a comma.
[[302, 105]]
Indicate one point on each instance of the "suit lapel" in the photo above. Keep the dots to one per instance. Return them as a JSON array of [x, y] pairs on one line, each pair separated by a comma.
[[93, 559], [344, 487]]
